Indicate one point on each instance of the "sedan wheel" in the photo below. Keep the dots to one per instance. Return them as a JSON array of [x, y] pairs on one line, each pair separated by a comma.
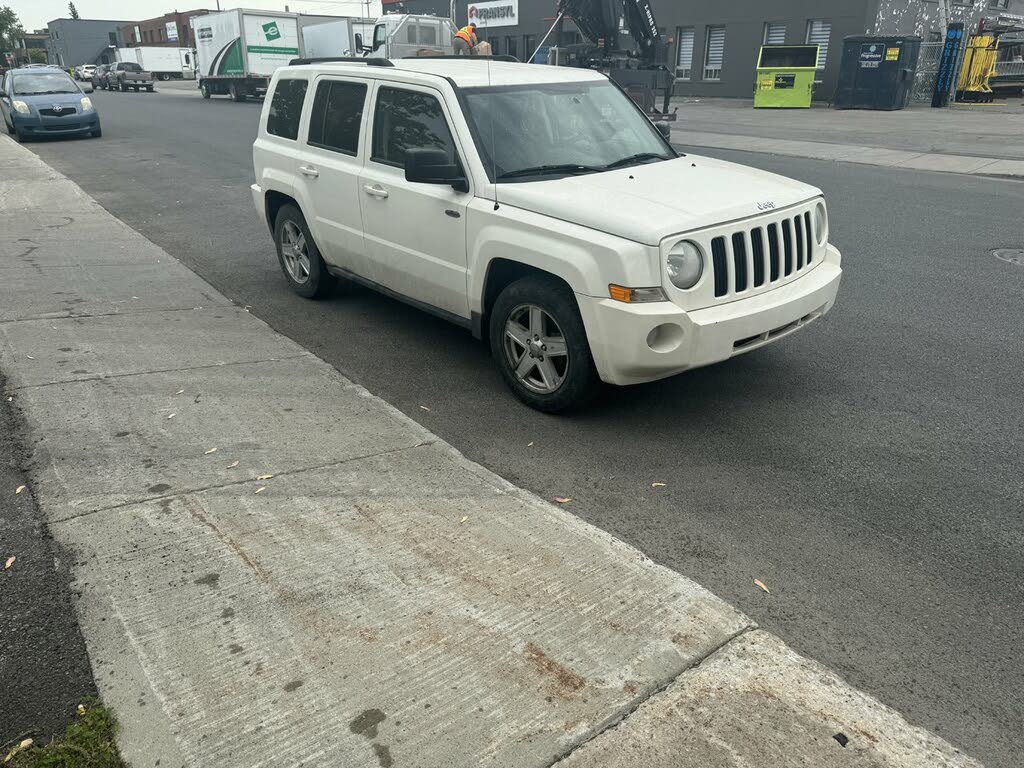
[[535, 349]]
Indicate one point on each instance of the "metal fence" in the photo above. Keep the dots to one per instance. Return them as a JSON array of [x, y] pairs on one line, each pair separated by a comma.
[[927, 70]]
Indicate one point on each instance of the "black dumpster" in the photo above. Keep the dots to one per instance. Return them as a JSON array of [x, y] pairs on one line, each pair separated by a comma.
[[877, 72]]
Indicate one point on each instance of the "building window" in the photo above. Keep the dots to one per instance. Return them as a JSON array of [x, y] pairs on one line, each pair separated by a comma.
[[529, 43], [1002, 4], [774, 34], [511, 47], [684, 58], [714, 53], [818, 33]]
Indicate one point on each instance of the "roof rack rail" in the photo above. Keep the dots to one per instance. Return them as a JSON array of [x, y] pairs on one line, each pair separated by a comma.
[[377, 62], [450, 57]]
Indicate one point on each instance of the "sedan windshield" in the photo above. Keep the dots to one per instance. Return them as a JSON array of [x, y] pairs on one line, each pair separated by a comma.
[[43, 82], [529, 132]]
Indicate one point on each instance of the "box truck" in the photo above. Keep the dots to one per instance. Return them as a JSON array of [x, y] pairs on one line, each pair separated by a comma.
[[165, 63], [238, 51]]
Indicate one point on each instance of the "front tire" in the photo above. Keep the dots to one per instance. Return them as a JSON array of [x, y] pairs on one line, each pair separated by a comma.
[[298, 255], [540, 345], [97, 133], [124, 88]]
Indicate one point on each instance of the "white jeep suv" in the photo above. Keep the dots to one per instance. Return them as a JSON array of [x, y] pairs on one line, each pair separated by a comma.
[[539, 208]]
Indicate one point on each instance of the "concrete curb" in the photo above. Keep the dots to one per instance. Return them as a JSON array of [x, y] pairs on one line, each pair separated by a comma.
[[848, 153], [278, 568]]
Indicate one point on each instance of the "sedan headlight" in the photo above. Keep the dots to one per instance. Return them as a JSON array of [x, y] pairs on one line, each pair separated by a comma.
[[20, 106], [685, 264], [820, 223], [86, 104]]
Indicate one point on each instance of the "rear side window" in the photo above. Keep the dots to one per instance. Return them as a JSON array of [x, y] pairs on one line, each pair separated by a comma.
[[336, 116], [286, 108], [407, 120]]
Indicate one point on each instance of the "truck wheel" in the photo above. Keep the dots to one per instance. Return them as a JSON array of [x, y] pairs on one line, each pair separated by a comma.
[[540, 345], [204, 89], [237, 94], [149, 88], [124, 87], [300, 258]]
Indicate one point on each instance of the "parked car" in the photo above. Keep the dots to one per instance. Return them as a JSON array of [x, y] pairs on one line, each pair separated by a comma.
[[539, 208], [84, 71], [101, 76], [127, 74], [46, 102]]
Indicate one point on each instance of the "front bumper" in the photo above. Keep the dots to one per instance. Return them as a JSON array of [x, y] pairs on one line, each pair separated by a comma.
[[634, 343], [78, 124]]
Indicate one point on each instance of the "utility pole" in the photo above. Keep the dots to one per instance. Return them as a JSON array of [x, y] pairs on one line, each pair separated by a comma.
[[943, 15]]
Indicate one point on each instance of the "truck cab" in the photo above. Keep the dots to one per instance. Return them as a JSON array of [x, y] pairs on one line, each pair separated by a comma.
[[541, 209], [396, 36]]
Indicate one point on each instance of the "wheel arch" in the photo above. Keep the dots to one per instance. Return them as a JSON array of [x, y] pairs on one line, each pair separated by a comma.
[[275, 201], [501, 273]]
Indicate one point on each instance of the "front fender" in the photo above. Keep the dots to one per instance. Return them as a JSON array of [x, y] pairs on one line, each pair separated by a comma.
[[587, 260]]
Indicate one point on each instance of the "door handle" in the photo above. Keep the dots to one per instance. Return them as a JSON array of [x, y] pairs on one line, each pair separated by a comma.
[[309, 170], [376, 191]]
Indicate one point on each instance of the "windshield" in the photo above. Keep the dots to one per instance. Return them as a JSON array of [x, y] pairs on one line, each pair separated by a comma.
[[131, 67], [43, 82], [559, 129]]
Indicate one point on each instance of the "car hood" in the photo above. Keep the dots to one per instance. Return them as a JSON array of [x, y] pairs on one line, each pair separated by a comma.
[[647, 203], [47, 100]]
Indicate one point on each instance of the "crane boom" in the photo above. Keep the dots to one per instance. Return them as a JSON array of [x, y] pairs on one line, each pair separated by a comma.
[[598, 20]]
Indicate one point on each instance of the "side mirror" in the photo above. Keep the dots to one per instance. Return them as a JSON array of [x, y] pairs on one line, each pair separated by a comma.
[[359, 42], [432, 166], [665, 129]]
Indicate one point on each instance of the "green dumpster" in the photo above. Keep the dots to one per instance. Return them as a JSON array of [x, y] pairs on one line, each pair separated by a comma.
[[785, 76]]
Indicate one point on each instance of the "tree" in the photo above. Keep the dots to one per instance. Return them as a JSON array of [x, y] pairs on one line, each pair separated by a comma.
[[36, 56], [73, 11], [10, 29]]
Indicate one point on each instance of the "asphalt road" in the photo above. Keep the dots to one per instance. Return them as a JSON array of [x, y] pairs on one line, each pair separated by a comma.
[[867, 469]]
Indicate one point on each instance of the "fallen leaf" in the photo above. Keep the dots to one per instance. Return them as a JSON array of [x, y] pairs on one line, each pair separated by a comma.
[[171, 416], [424, 408], [263, 477], [463, 520], [180, 391], [563, 499], [657, 485], [261, 489], [232, 465], [19, 489], [760, 583], [212, 450], [30, 357], [10, 562], [25, 744], [529, 444], [81, 710]]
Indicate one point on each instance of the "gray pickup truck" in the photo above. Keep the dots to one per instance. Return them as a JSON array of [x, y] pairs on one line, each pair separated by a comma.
[[128, 74]]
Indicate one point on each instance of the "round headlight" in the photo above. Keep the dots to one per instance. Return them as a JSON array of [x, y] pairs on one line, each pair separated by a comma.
[[685, 264], [820, 223]]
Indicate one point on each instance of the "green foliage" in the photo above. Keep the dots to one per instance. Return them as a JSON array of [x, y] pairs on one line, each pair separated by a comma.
[[73, 11], [87, 743], [10, 28], [36, 56]]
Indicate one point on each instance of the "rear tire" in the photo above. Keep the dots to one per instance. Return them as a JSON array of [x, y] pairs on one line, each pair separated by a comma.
[[124, 88], [554, 377], [204, 89], [149, 89], [299, 257], [237, 94]]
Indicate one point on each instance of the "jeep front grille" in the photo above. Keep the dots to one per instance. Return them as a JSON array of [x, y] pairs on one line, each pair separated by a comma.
[[762, 255]]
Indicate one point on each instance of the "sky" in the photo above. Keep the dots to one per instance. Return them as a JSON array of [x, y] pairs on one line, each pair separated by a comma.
[[35, 14]]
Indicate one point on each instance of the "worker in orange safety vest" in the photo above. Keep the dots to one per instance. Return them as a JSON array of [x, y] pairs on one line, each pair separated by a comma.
[[465, 40]]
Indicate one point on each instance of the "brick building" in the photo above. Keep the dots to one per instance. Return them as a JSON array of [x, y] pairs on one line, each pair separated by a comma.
[[172, 30]]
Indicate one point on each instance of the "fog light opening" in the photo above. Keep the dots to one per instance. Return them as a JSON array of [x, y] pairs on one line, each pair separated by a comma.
[[665, 338]]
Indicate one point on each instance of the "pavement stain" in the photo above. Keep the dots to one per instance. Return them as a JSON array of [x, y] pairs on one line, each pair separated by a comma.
[[566, 682], [294, 685], [383, 755], [365, 724], [159, 488], [209, 580]]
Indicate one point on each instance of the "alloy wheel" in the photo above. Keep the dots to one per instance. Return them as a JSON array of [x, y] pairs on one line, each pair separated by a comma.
[[295, 252], [535, 349]]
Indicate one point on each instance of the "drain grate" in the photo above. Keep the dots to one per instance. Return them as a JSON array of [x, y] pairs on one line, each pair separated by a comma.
[[1010, 255]]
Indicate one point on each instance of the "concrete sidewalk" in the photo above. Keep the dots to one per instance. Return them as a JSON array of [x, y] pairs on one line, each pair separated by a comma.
[[278, 569], [954, 140]]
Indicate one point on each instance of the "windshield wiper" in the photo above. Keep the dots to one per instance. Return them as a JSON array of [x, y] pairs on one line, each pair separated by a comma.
[[545, 170], [637, 158]]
